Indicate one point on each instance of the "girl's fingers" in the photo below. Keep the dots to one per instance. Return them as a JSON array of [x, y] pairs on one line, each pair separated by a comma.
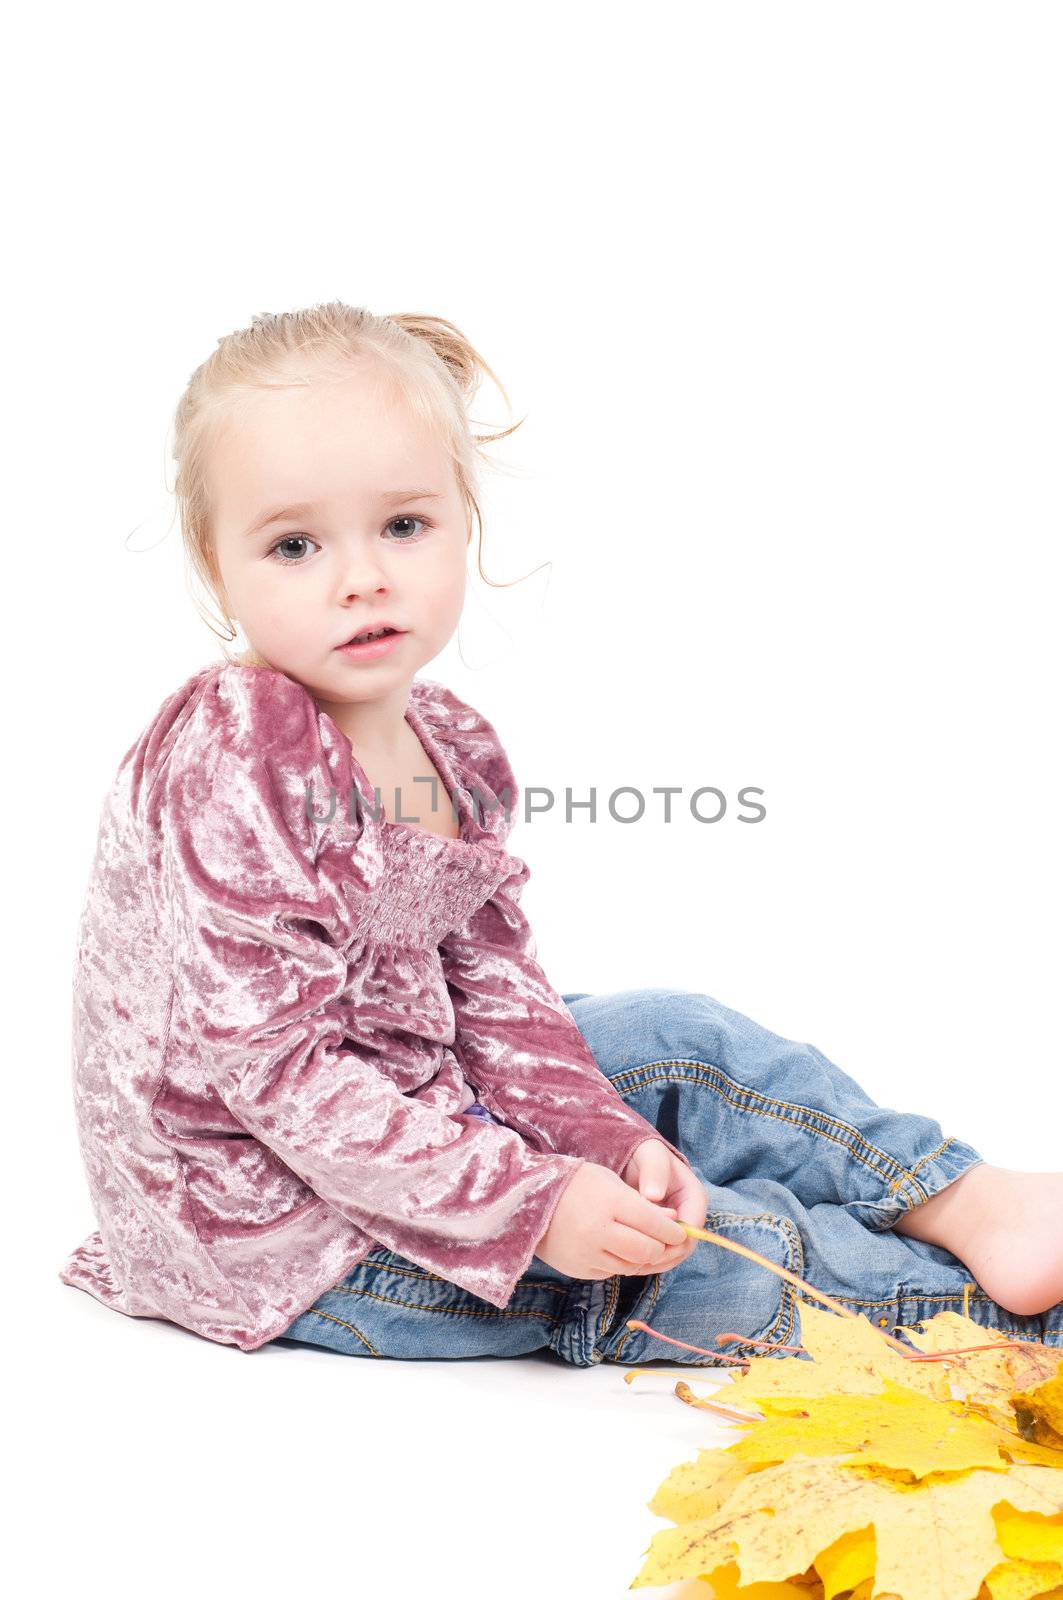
[[632, 1245], [642, 1269], [639, 1256], [645, 1217], [693, 1207]]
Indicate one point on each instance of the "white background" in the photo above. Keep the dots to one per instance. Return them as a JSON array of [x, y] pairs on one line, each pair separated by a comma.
[[776, 288]]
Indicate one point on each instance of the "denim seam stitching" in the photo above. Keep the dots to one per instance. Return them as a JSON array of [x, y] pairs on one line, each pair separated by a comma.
[[607, 1310], [923, 1161], [786, 1299], [434, 1277], [448, 1311], [350, 1325], [767, 1100], [644, 1318], [577, 1325], [848, 1300], [975, 1294]]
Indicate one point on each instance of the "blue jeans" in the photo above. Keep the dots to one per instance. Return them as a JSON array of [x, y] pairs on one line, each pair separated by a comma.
[[799, 1164]]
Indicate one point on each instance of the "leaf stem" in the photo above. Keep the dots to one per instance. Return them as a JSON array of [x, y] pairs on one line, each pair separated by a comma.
[[791, 1277], [905, 1350]]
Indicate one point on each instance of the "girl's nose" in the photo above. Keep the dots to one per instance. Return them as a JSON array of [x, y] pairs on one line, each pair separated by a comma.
[[360, 591], [361, 573]]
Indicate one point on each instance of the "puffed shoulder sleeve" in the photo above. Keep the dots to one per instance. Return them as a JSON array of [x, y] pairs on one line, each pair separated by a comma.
[[517, 1041], [268, 895]]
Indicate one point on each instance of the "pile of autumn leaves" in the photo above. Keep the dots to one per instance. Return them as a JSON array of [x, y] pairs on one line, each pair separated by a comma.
[[862, 1472]]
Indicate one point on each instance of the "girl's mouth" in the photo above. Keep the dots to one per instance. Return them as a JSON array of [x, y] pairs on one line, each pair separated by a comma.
[[371, 644]]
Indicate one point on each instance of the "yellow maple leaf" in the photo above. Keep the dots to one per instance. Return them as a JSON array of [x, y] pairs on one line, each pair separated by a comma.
[[725, 1586], [850, 1560], [866, 1474], [696, 1489], [1037, 1538], [1039, 1412], [1021, 1579], [934, 1540], [847, 1562], [897, 1428], [991, 1376], [849, 1356]]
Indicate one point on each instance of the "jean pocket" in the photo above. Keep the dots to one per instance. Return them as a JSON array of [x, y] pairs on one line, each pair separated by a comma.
[[715, 1292]]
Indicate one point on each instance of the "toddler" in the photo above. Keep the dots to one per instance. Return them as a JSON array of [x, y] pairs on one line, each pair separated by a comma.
[[325, 1093]]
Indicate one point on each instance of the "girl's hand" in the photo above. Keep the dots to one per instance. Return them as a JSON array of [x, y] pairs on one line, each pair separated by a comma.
[[601, 1227], [659, 1176]]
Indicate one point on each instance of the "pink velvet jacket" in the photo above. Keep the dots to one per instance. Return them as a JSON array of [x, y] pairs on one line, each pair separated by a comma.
[[281, 1002]]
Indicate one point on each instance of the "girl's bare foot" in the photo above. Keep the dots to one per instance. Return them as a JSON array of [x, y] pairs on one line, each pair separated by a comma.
[[1007, 1226]]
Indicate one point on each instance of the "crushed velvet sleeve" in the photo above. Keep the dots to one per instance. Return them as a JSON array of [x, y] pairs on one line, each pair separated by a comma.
[[270, 910]]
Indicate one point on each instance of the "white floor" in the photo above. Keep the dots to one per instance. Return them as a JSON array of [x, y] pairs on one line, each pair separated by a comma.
[[160, 1464]]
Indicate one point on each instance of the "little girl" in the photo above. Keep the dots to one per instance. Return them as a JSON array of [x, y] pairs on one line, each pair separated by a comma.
[[324, 1091]]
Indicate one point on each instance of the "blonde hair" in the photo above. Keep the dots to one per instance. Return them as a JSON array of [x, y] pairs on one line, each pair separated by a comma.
[[426, 361]]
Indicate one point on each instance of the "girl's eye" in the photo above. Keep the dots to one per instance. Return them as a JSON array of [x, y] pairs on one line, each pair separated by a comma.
[[289, 539], [407, 538], [288, 557]]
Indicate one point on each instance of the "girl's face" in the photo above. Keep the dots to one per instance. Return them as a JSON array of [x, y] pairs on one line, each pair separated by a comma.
[[366, 526]]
